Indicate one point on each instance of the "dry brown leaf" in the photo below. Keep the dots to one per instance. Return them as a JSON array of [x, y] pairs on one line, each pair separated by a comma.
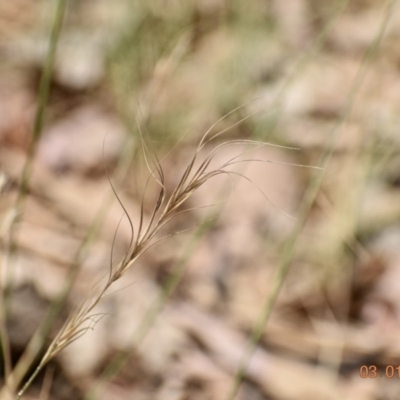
[[271, 373]]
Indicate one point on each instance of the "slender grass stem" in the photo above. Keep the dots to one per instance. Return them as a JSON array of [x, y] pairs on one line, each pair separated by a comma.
[[38, 340], [308, 201], [10, 259]]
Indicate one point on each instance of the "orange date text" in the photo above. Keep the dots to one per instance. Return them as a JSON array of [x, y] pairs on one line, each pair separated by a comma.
[[372, 371]]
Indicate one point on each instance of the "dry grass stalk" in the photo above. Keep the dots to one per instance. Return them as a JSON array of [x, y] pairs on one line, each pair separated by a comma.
[[164, 210]]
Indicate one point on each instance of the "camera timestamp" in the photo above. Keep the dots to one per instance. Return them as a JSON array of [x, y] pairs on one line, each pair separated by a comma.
[[372, 371]]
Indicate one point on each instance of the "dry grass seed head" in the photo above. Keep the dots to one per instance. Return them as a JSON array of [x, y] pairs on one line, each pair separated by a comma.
[[164, 210]]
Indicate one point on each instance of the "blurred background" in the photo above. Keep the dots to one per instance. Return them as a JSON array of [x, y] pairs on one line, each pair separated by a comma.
[[302, 74]]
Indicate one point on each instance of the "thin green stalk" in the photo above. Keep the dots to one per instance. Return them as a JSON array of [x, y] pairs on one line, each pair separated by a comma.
[[43, 95], [305, 209], [38, 340]]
